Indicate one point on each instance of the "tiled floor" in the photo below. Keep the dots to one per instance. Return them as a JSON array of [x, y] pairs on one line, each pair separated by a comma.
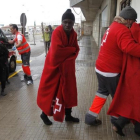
[[19, 114]]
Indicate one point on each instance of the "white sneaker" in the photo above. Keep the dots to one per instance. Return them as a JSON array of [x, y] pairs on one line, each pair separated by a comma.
[[22, 79], [29, 82]]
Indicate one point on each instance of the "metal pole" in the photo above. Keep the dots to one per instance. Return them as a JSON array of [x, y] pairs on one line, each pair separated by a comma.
[[33, 38], [43, 37]]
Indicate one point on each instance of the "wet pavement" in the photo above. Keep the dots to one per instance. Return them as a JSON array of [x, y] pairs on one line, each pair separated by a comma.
[[20, 115]]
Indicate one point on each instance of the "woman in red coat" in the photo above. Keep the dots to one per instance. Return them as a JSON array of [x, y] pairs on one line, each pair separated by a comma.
[[57, 92]]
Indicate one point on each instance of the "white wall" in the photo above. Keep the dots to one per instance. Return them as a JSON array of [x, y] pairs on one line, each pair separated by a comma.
[[96, 27], [136, 5], [118, 7]]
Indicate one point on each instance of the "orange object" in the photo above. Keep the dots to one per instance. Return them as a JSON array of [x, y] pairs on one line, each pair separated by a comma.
[[97, 104], [24, 46], [26, 70]]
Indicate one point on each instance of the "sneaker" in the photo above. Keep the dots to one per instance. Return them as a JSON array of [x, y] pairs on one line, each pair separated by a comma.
[[29, 80], [24, 78]]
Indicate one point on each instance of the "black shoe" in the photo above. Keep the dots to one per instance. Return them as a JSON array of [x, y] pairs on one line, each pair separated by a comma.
[[7, 82], [3, 93], [137, 133], [71, 119], [91, 120], [119, 129], [25, 76], [97, 122], [45, 119], [137, 128]]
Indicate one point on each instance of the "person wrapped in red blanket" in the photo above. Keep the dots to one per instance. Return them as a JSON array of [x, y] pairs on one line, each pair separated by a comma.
[[116, 41], [57, 92], [126, 102]]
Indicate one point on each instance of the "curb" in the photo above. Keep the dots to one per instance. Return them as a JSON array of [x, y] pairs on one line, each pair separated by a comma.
[[19, 61]]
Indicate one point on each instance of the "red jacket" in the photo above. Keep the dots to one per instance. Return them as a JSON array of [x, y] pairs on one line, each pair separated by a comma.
[[116, 40]]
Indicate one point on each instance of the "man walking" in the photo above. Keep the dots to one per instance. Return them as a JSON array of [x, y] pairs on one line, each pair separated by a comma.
[[57, 92], [24, 50]]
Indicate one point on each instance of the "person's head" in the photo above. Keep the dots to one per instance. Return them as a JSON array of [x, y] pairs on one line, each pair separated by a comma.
[[13, 28], [129, 14], [46, 29], [68, 20]]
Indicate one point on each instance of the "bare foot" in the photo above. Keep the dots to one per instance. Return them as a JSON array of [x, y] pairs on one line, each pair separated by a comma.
[[118, 130], [114, 128]]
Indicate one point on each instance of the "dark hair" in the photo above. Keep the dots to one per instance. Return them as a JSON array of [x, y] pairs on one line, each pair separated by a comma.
[[14, 26]]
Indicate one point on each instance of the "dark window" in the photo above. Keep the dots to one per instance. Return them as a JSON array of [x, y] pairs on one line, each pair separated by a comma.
[[125, 3]]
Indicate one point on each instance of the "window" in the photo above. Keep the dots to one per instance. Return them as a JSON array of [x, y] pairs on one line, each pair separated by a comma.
[[1, 34], [125, 3]]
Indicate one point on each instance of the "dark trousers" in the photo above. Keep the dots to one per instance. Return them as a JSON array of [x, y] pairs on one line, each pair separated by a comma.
[[25, 57], [107, 85], [3, 76], [47, 43], [7, 70]]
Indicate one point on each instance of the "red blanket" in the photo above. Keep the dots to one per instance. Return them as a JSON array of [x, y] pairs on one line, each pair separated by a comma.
[[126, 101], [57, 89]]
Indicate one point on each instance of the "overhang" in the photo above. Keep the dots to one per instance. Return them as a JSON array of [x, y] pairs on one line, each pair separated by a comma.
[[88, 7]]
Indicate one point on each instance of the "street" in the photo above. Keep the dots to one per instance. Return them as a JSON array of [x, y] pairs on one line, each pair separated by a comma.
[[20, 115]]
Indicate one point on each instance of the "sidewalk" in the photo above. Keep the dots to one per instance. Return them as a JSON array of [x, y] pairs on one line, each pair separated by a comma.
[[20, 115]]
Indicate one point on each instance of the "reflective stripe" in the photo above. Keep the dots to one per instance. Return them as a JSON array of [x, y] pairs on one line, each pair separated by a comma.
[[20, 51], [23, 44], [101, 95], [92, 113], [115, 117]]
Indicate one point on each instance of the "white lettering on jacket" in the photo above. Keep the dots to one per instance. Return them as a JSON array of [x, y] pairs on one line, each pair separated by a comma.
[[105, 38]]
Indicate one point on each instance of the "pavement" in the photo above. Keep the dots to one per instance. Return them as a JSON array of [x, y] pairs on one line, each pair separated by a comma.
[[20, 115]]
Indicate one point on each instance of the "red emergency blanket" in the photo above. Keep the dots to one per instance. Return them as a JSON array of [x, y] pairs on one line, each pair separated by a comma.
[[57, 89], [126, 101]]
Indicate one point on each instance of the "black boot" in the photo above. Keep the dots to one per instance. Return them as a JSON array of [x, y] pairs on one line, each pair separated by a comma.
[[68, 117], [2, 92], [45, 119], [137, 128], [7, 81]]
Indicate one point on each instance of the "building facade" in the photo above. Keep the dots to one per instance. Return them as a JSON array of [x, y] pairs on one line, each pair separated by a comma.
[[100, 14]]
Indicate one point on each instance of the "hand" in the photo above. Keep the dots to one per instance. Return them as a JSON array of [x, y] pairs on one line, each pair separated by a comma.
[[11, 41]]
